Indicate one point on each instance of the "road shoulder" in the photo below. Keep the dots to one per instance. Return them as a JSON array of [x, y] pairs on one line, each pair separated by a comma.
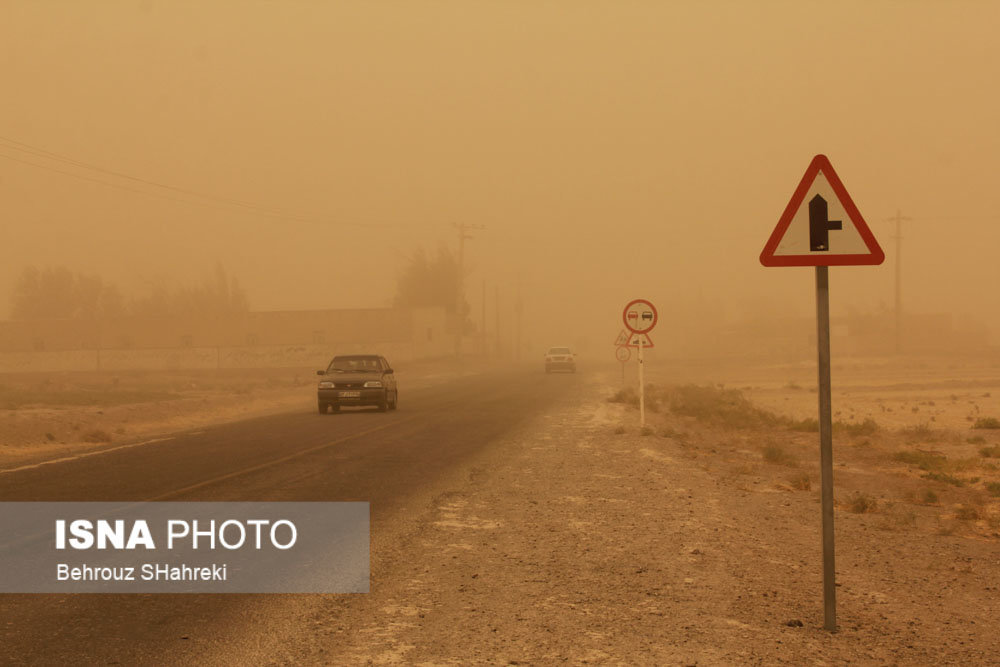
[[577, 542]]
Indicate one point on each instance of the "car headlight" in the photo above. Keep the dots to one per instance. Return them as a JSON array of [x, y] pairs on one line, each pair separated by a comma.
[[373, 383], [326, 384]]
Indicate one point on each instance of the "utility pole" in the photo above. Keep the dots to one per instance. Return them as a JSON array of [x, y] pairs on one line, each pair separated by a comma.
[[899, 218], [498, 318], [518, 309], [463, 236], [483, 341]]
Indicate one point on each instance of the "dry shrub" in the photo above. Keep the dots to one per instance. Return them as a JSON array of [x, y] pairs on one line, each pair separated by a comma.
[[628, 396], [968, 513], [944, 477], [97, 435], [804, 425], [775, 454], [938, 467], [653, 397], [922, 460], [801, 482], [861, 503], [991, 423], [13, 398], [724, 407], [990, 452], [897, 520], [856, 429], [732, 409], [948, 528], [921, 432]]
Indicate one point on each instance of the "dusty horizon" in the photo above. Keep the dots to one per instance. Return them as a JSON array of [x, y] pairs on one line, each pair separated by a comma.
[[618, 150], [234, 239]]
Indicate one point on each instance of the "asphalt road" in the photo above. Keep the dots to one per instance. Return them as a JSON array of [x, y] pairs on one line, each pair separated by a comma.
[[394, 460]]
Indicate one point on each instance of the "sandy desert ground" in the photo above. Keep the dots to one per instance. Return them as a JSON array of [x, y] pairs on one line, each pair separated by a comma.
[[583, 538]]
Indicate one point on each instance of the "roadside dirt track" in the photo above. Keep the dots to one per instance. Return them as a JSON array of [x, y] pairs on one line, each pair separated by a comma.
[[569, 542]]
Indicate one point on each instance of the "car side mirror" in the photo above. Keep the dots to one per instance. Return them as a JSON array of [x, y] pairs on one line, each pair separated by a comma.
[[388, 370], [320, 372]]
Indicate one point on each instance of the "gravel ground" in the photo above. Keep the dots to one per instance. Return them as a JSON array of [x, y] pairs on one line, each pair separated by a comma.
[[573, 542]]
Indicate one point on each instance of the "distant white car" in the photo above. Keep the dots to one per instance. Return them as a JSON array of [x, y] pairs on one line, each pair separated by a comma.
[[560, 359]]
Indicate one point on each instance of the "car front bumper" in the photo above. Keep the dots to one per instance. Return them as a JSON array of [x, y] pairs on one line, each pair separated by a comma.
[[373, 396]]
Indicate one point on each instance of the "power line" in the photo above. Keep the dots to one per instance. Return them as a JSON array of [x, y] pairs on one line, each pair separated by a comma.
[[158, 195], [47, 154], [69, 173], [203, 199]]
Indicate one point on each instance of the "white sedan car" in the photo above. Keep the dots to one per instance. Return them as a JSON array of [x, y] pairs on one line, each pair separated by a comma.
[[560, 359]]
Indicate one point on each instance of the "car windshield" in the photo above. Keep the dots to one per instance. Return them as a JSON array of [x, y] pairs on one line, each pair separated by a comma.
[[354, 365], [558, 350]]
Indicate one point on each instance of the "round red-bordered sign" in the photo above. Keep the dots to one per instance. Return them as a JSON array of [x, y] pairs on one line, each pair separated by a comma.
[[639, 316], [623, 354]]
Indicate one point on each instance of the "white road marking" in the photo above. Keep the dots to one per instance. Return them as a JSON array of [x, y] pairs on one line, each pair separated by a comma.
[[84, 455]]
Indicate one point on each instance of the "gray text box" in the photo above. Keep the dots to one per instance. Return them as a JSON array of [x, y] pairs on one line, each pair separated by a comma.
[[302, 547]]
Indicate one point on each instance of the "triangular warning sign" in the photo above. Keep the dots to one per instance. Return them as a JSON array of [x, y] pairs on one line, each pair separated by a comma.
[[633, 340], [622, 338], [821, 226]]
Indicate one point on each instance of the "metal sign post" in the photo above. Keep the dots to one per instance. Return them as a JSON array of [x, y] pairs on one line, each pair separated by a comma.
[[822, 227], [642, 391], [640, 317], [826, 446]]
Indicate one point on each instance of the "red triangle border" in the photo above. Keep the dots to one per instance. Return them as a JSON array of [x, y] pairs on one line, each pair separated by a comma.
[[635, 347], [821, 163]]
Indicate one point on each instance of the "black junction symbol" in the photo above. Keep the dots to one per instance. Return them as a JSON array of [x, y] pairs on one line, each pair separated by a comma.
[[820, 225]]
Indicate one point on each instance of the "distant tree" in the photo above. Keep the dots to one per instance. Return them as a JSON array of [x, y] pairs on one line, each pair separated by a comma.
[[429, 281], [87, 292], [229, 293], [155, 304], [218, 296], [59, 293], [112, 303]]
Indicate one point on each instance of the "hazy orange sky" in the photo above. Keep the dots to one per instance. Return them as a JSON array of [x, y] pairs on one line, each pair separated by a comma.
[[612, 149]]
